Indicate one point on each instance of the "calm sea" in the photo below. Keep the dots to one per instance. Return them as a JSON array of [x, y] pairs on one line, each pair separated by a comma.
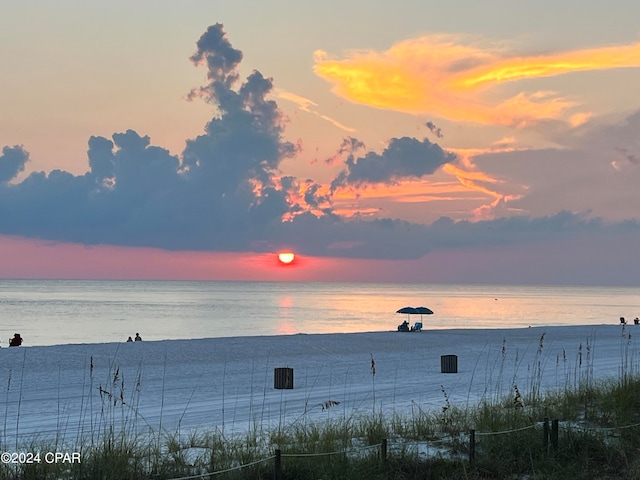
[[50, 312]]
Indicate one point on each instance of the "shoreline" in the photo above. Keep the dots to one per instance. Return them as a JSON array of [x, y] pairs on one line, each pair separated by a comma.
[[424, 331]]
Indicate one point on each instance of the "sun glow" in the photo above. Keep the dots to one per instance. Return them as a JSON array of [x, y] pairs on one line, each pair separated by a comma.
[[286, 258]]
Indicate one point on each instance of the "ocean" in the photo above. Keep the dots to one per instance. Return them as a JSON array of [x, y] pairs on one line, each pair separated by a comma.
[[54, 312]]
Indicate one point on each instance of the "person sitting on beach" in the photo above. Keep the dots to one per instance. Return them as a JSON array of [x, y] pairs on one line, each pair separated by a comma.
[[403, 327], [129, 339], [138, 337], [636, 321], [16, 341]]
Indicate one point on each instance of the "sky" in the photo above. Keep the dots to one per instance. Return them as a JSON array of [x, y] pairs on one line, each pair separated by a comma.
[[413, 142]]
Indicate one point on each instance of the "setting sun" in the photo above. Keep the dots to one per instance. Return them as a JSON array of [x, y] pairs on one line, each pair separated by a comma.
[[286, 257]]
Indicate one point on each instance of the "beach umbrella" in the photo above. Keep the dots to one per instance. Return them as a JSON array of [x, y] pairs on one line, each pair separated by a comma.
[[416, 311], [423, 311], [407, 310]]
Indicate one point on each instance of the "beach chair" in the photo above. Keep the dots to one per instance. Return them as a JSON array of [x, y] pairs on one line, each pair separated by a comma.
[[417, 327]]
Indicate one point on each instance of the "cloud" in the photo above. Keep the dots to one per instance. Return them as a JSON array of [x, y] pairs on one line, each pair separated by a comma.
[[501, 192], [535, 66], [592, 171], [221, 59], [395, 239], [433, 129], [12, 162], [449, 76], [403, 158], [349, 146], [217, 195], [308, 106]]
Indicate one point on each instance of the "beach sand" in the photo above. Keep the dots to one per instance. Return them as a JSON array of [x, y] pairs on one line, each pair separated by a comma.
[[227, 384]]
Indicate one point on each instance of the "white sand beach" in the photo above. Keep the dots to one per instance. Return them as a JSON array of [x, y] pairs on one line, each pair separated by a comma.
[[68, 391]]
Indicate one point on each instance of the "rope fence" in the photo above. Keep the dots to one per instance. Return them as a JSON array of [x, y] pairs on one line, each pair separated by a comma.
[[550, 434], [335, 452], [277, 461], [227, 470], [486, 434], [550, 431]]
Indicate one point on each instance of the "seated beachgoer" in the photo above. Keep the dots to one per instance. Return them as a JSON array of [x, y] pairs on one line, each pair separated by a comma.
[[138, 337], [129, 339], [636, 321], [16, 341], [623, 321]]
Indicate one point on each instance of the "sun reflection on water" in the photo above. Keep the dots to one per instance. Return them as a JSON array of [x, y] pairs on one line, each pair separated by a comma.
[[286, 324]]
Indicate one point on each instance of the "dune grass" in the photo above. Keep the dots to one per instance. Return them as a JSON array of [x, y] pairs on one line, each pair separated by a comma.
[[599, 437]]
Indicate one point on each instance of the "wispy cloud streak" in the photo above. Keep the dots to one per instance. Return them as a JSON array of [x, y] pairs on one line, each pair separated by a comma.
[[309, 106]]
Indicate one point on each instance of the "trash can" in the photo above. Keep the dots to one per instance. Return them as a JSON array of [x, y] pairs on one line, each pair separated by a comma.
[[283, 378], [449, 364]]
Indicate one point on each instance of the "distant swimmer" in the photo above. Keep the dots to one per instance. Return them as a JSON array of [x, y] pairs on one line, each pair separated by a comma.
[[138, 337]]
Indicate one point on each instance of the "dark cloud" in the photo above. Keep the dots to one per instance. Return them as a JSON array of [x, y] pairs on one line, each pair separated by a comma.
[[512, 230], [218, 195], [220, 57], [348, 146], [433, 129], [331, 235], [313, 198], [12, 162], [404, 158]]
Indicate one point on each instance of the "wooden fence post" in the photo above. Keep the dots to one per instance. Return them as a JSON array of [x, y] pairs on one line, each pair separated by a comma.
[[277, 465], [545, 435], [554, 436], [472, 445], [383, 450]]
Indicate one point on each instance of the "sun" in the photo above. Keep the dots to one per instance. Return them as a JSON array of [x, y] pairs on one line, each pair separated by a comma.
[[286, 258]]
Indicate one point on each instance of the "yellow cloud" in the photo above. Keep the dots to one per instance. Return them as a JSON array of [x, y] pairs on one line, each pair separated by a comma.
[[511, 69], [442, 75]]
